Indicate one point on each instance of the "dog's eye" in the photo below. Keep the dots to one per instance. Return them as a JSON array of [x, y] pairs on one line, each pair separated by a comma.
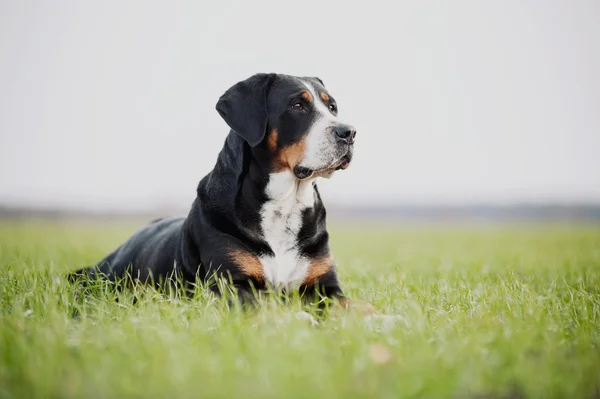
[[332, 107], [298, 106]]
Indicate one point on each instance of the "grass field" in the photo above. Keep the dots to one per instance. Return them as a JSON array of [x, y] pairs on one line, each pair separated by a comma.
[[488, 312]]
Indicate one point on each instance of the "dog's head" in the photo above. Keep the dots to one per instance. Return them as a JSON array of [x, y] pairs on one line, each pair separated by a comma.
[[295, 119]]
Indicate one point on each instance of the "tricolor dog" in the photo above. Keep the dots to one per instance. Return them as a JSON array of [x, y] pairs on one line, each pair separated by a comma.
[[258, 219]]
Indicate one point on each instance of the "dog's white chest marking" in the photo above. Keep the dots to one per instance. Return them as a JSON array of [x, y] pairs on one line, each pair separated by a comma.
[[281, 223]]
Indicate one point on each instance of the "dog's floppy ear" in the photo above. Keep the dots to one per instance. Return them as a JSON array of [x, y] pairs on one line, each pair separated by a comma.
[[244, 107]]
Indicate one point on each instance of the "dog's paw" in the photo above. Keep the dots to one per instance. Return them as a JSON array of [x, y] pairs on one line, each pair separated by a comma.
[[383, 322], [308, 317], [358, 306]]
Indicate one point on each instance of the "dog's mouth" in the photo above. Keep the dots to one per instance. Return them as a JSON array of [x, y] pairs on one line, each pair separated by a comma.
[[344, 162], [302, 172]]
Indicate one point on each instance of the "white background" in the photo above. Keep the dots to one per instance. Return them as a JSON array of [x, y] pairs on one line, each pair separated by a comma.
[[110, 104]]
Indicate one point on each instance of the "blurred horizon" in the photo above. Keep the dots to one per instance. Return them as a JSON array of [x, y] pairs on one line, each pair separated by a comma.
[[336, 213], [109, 107]]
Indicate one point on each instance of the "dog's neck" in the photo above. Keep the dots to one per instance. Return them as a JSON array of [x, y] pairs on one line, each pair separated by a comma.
[[275, 186], [254, 178], [244, 193], [285, 187]]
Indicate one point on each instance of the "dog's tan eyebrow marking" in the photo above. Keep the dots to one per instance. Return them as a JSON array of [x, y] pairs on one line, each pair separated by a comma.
[[325, 97], [307, 96], [248, 263], [317, 268]]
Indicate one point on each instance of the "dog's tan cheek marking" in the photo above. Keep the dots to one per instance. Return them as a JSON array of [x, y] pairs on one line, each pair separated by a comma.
[[272, 143], [325, 97], [248, 263], [317, 268], [290, 156], [272, 140]]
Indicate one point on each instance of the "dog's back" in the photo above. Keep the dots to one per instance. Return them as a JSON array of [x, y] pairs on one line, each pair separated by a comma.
[[149, 253]]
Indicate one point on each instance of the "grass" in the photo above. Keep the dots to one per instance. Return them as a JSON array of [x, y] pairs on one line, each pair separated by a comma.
[[505, 311]]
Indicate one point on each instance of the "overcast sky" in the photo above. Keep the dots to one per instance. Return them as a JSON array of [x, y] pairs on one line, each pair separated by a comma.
[[110, 104]]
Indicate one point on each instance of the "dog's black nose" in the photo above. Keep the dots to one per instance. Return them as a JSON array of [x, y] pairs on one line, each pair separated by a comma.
[[346, 133]]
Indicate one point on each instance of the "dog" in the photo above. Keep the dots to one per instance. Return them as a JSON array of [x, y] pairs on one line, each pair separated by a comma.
[[258, 220]]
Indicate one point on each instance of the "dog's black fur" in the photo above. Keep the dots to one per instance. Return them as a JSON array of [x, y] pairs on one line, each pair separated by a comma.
[[225, 216]]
